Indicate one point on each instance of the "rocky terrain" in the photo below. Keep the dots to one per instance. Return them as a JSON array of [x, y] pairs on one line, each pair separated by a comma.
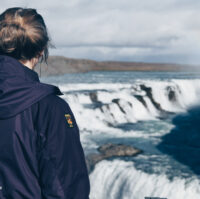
[[58, 65], [110, 150]]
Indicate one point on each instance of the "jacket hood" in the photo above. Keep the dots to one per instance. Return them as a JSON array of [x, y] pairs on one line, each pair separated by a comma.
[[20, 87]]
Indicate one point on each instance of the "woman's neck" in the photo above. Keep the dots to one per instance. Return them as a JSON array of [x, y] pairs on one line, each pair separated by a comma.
[[30, 63], [27, 64]]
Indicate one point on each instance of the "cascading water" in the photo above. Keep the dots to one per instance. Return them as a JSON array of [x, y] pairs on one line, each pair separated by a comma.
[[120, 103], [136, 112]]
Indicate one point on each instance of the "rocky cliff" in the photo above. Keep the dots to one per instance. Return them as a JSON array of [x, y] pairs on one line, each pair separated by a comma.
[[58, 65]]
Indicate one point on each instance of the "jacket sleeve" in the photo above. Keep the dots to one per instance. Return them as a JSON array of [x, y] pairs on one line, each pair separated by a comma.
[[61, 160]]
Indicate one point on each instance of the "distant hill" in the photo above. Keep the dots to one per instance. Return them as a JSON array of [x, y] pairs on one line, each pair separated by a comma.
[[58, 65]]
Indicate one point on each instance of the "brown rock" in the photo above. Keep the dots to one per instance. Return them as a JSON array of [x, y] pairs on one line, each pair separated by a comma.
[[109, 150]]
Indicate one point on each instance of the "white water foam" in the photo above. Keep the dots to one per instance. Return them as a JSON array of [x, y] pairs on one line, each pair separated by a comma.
[[120, 102], [118, 179]]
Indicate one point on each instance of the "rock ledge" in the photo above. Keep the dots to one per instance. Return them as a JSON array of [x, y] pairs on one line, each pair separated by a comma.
[[109, 150]]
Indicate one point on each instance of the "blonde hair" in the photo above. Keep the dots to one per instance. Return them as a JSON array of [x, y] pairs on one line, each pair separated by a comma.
[[23, 34]]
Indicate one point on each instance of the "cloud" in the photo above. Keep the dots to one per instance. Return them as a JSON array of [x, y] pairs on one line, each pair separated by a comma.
[[121, 30]]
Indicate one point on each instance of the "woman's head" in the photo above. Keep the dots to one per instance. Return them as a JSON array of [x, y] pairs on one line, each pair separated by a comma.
[[23, 34]]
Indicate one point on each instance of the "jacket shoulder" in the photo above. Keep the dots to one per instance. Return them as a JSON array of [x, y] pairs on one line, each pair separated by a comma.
[[51, 107], [52, 100]]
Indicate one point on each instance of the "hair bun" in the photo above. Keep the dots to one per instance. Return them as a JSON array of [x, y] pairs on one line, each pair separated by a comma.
[[23, 34]]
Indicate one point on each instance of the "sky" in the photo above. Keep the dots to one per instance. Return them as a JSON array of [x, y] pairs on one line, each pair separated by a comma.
[[165, 31]]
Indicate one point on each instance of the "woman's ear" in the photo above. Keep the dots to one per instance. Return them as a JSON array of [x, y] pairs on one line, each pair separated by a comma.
[[34, 62], [41, 53], [40, 56]]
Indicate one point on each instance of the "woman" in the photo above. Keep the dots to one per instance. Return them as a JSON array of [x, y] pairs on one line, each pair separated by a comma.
[[41, 156]]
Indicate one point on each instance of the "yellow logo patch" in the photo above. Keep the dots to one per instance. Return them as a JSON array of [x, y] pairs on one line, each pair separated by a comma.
[[69, 120]]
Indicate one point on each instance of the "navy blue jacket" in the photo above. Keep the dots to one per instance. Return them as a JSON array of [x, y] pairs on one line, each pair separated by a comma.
[[41, 156]]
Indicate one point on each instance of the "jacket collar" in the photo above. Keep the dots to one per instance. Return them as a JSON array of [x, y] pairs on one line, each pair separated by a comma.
[[10, 66], [20, 87], [30, 74]]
